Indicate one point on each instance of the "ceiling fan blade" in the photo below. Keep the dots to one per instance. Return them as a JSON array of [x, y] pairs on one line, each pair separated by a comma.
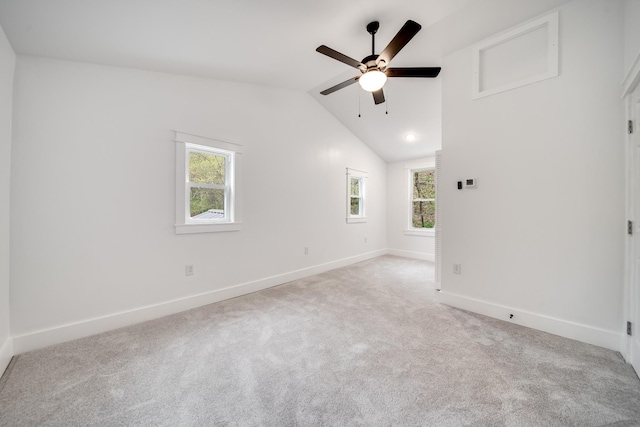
[[406, 33], [378, 96], [413, 72], [339, 86], [340, 57]]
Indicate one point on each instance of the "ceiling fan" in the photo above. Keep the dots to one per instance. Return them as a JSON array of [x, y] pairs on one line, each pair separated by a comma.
[[375, 68]]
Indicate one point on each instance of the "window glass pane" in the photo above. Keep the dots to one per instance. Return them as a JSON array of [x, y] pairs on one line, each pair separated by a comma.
[[355, 206], [206, 203], [424, 214], [355, 186], [206, 168], [424, 185]]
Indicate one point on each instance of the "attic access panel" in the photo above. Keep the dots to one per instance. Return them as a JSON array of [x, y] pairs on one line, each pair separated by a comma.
[[523, 55]]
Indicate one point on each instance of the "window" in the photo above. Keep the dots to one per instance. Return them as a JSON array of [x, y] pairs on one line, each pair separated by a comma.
[[208, 184], [205, 190], [356, 196], [423, 199]]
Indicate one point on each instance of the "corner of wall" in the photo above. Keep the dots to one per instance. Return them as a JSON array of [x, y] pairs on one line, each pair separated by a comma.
[[7, 67], [6, 353], [552, 325]]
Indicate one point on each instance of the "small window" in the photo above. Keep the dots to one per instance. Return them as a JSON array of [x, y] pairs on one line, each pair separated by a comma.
[[208, 184], [423, 199], [205, 185], [356, 196]]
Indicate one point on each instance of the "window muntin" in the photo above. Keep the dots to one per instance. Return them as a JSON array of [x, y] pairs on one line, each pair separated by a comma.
[[208, 184], [423, 199]]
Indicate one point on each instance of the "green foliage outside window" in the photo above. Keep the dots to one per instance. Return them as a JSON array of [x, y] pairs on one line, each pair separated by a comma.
[[355, 187], [206, 168], [424, 194], [355, 196], [355, 206]]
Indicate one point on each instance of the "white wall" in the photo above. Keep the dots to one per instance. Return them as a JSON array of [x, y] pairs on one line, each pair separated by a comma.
[[399, 243], [542, 235], [7, 64], [631, 33], [93, 193]]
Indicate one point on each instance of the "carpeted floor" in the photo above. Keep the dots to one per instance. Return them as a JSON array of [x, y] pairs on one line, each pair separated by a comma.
[[362, 345]]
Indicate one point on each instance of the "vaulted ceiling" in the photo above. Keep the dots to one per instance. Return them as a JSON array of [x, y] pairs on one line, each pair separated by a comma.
[[273, 43]]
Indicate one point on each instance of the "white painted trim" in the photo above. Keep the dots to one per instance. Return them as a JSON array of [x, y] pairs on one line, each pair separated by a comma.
[[552, 325], [632, 78], [549, 21], [356, 219], [6, 353], [428, 232], [426, 163], [625, 342], [59, 334], [210, 142], [208, 228], [357, 172], [414, 255]]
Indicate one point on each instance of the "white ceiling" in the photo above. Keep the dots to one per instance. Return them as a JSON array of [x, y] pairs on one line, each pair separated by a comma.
[[269, 43]]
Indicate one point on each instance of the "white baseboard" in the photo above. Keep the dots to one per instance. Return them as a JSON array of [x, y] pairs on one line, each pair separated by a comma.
[[410, 254], [6, 353], [563, 328], [63, 333]]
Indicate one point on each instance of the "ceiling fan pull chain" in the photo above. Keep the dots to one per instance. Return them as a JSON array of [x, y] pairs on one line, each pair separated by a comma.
[[359, 104]]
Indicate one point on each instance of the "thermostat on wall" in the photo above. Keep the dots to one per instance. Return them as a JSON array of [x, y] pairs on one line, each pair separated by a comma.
[[470, 182]]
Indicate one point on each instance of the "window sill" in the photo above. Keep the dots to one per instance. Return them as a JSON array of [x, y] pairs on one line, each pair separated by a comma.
[[356, 220], [208, 228], [418, 232]]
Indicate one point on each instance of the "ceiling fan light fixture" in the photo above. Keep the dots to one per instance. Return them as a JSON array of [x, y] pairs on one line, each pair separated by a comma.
[[373, 80]]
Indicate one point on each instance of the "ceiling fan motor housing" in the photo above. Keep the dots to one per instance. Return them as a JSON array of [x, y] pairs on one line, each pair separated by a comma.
[[371, 62]]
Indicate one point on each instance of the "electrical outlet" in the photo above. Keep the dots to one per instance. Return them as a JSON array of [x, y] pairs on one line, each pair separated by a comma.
[[457, 268], [306, 251], [188, 270]]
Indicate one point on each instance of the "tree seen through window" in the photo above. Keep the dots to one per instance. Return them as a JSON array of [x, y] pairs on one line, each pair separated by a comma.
[[423, 199], [207, 177]]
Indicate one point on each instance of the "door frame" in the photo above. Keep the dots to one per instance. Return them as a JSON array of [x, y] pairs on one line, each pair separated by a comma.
[[630, 346]]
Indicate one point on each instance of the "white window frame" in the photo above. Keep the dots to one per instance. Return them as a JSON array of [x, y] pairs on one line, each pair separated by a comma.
[[185, 144], [362, 177], [411, 230]]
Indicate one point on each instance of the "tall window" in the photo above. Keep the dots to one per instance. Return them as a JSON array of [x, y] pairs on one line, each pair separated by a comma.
[[356, 195], [423, 198], [205, 185], [356, 207]]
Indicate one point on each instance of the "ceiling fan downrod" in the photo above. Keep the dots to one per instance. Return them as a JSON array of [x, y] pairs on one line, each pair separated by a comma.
[[372, 28]]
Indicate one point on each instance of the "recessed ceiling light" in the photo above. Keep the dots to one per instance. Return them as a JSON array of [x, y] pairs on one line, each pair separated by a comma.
[[410, 137]]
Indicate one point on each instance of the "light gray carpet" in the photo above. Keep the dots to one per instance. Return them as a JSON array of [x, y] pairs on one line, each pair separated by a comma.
[[361, 345]]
